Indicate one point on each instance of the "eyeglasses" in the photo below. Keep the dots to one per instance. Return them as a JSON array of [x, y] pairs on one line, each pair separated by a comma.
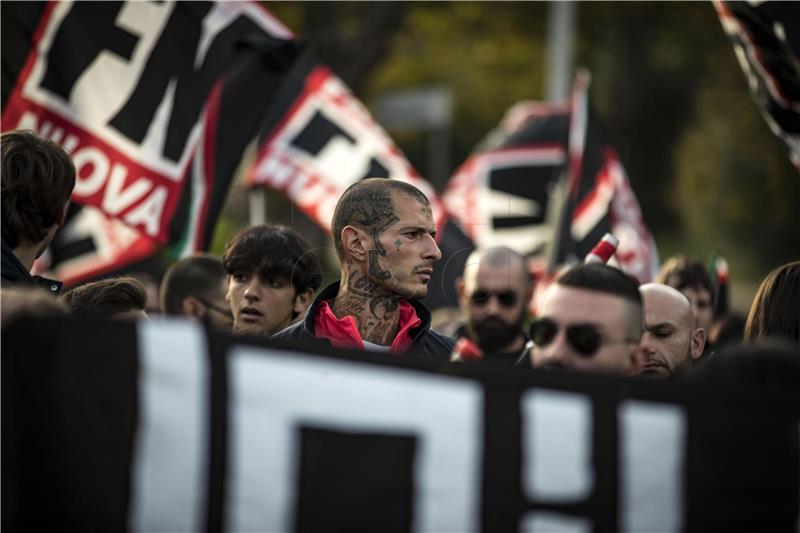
[[506, 298], [584, 338], [218, 309]]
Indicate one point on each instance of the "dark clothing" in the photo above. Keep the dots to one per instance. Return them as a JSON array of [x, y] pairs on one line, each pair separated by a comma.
[[425, 341], [13, 272], [520, 358]]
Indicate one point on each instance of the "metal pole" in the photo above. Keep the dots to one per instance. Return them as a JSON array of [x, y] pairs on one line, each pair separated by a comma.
[[560, 47], [258, 206]]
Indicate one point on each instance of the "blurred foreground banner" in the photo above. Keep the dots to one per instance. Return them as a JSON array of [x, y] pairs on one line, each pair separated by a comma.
[[155, 101], [766, 39], [162, 426], [547, 184]]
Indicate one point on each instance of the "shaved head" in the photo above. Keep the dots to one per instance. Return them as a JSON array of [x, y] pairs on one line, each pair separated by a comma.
[[671, 339]]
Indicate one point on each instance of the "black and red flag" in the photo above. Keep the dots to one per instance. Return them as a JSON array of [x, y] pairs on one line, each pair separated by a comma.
[[766, 39], [155, 101], [319, 139], [548, 185]]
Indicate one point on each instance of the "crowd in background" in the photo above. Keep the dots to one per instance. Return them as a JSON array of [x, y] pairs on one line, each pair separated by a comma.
[[590, 317]]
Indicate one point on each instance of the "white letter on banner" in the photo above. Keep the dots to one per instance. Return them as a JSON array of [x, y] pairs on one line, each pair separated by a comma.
[[556, 455], [652, 448], [170, 452], [271, 395]]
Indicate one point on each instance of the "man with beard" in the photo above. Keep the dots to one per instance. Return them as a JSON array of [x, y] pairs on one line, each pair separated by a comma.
[[384, 235], [670, 338], [493, 295]]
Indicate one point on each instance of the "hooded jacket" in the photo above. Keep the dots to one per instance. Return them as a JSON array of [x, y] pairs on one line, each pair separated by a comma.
[[424, 340]]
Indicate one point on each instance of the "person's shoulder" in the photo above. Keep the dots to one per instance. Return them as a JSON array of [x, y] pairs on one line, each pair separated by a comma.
[[294, 332], [438, 345]]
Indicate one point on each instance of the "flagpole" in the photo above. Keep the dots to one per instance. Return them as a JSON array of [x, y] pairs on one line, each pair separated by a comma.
[[258, 206], [560, 45]]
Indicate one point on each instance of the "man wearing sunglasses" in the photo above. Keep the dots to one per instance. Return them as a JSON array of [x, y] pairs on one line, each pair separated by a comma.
[[590, 320], [493, 295], [195, 287], [670, 338]]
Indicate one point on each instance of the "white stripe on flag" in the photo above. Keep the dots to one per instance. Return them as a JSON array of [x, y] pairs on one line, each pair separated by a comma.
[[169, 457]]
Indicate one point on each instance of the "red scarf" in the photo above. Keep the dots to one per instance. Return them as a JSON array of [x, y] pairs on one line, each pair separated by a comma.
[[343, 332]]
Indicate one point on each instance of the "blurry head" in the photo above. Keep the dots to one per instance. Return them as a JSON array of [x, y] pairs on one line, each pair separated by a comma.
[[384, 228], [775, 311], [37, 181], [670, 338], [494, 293], [272, 275], [195, 287], [151, 288], [114, 298], [590, 319], [692, 280], [20, 301]]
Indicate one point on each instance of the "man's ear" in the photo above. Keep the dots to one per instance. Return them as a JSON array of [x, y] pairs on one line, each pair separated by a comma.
[[192, 307], [302, 300], [698, 342], [354, 243]]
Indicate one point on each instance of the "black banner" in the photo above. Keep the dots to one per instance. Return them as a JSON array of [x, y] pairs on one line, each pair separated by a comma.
[[162, 426]]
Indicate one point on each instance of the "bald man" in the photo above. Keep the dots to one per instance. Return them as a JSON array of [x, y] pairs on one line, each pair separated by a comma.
[[493, 294], [670, 338]]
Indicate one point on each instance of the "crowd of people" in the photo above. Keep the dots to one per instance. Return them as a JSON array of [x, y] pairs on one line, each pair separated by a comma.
[[591, 317]]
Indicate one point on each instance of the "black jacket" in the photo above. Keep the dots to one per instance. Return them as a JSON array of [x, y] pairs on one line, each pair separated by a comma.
[[425, 341], [14, 273]]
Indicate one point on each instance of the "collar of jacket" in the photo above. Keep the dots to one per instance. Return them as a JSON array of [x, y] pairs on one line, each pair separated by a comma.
[[15, 273], [330, 292]]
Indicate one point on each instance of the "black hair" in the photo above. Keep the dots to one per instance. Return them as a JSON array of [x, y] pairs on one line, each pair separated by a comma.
[[602, 278], [197, 275], [37, 181], [368, 205], [274, 251], [106, 297], [680, 273], [609, 280]]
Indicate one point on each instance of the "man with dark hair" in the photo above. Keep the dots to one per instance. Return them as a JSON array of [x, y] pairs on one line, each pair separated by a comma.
[[37, 181], [494, 293], [692, 280], [384, 234], [195, 287], [671, 339], [120, 298], [272, 277], [590, 319]]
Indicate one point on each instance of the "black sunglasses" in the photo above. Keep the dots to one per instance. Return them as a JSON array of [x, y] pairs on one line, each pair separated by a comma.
[[226, 312], [584, 338], [506, 298]]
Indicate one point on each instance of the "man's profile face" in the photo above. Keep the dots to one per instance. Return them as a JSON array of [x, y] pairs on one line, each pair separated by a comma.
[[494, 300], [260, 305], [702, 306], [667, 337], [584, 311], [401, 258]]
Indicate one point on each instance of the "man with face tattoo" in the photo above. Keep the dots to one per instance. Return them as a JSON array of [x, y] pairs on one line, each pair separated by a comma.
[[384, 235], [493, 294]]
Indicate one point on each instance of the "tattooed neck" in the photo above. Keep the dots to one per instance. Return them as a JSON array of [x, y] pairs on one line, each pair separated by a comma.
[[377, 311]]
